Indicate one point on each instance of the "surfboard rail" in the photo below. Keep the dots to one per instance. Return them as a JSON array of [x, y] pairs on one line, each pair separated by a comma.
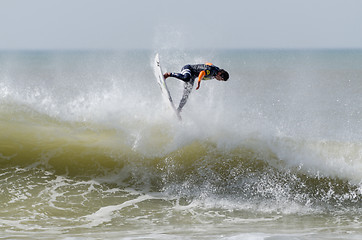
[[162, 83]]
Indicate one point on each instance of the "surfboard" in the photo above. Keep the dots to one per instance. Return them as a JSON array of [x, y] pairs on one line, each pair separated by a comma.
[[162, 83]]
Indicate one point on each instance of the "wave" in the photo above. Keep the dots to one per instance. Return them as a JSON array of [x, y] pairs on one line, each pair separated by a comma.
[[266, 140], [279, 169]]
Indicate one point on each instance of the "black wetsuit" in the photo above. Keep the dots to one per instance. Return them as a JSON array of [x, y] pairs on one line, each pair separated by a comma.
[[189, 73]]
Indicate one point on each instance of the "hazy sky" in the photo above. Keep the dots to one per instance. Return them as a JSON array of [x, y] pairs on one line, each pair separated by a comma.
[[122, 24]]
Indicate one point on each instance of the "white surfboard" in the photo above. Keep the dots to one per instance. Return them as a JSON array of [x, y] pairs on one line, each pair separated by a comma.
[[164, 89]]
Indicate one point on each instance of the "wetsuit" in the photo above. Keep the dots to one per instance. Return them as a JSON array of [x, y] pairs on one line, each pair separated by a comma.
[[188, 75], [190, 72]]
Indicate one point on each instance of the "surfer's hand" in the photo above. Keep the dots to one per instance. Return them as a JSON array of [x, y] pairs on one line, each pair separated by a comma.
[[166, 75], [198, 85]]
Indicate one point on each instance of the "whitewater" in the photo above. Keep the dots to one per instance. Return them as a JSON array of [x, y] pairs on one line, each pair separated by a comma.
[[90, 150]]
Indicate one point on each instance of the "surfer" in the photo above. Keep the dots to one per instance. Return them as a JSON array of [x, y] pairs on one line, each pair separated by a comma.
[[189, 73]]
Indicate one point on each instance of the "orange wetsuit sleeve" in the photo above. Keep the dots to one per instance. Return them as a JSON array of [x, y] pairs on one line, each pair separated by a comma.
[[201, 75]]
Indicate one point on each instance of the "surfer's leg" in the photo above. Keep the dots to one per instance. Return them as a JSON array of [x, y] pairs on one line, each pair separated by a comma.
[[185, 96], [185, 74]]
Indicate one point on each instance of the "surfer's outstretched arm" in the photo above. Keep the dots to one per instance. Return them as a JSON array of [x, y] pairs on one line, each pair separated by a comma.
[[201, 76]]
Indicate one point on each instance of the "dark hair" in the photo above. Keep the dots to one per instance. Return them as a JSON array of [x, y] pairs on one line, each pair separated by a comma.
[[224, 74]]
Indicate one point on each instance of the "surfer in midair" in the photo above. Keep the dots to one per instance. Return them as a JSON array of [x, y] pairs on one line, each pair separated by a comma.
[[189, 73]]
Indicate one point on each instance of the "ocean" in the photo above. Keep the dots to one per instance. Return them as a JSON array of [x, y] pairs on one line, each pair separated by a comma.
[[90, 150]]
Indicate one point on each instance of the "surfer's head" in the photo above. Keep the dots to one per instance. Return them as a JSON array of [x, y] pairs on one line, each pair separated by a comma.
[[222, 75]]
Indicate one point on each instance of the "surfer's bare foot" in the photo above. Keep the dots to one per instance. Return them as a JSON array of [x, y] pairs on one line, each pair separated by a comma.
[[166, 75]]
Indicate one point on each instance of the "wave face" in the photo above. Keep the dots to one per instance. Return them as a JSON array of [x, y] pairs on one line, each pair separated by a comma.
[[86, 141]]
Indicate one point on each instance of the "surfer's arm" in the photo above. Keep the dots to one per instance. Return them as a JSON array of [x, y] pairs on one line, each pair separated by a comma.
[[201, 76]]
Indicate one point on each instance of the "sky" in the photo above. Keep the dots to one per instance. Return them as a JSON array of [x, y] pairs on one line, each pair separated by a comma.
[[195, 24]]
